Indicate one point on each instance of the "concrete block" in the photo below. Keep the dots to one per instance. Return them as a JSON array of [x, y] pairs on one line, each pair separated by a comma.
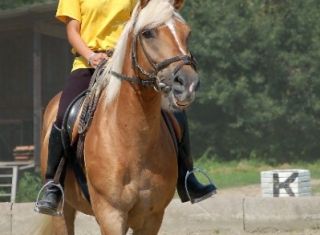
[[296, 190], [286, 173], [284, 194], [5, 218], [281, 214], [281, 183]]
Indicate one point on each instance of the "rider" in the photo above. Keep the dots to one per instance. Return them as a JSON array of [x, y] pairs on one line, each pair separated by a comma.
[[93, 28]]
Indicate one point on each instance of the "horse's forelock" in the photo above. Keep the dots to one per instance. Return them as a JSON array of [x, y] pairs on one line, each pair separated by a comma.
[[155, 13]]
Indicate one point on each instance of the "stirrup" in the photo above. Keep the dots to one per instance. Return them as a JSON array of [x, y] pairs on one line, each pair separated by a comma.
[[187, 189], [61, 204]]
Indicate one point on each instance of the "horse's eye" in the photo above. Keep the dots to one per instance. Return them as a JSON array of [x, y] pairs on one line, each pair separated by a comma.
[[149, 33]]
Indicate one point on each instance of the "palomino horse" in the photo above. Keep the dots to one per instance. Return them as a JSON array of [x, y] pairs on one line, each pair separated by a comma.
[[130, 157]]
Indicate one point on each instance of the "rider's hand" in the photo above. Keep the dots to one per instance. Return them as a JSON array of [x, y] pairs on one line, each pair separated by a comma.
[[97, 58]]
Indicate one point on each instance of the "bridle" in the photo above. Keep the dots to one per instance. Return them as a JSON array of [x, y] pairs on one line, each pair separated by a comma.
[[151, 78]]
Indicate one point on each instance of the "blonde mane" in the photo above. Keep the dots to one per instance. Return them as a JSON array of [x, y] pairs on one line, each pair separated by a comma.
[[155, 13]]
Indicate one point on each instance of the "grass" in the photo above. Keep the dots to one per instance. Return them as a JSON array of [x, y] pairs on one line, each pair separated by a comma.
[[246, 172]]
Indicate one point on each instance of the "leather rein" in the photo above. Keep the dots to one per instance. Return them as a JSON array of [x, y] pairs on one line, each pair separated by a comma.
[[152, 79]]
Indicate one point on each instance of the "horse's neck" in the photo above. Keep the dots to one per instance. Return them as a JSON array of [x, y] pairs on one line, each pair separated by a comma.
[[139, 105], [135, 115]]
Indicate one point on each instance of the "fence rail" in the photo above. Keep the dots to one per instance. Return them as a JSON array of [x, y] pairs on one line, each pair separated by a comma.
[[9, 178]]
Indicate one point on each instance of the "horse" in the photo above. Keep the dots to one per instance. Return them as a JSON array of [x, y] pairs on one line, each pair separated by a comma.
[[129, 154]]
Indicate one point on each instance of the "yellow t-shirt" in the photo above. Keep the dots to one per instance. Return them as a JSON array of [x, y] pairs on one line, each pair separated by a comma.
[[102, 22]]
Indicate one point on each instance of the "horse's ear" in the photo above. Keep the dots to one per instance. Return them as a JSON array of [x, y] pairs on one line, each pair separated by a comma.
[[178, 4], [143, 3]]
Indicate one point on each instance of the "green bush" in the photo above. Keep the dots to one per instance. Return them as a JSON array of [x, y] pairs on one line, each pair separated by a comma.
[[28, 187], [4, 199]]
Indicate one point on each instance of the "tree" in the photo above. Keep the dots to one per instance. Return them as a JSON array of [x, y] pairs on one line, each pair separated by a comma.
[[259, 71]]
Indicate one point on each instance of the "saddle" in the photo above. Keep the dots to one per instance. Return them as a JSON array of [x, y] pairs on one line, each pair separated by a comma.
[[76, 122]]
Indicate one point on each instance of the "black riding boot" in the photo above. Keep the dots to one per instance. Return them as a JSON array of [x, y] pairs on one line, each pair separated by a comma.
[[197, 191], [52, 195]]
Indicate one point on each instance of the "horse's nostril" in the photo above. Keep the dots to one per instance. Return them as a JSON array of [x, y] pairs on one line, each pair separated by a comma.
[[177, 91], [179, 80]]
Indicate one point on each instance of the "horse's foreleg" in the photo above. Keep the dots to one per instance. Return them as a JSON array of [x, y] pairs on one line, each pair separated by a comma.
[[102, 232], [59, 226], [69, 217], [151, 226], [64, 225], [111, 220]]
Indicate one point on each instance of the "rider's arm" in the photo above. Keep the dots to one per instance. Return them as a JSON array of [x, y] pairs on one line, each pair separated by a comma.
[[74, 38]]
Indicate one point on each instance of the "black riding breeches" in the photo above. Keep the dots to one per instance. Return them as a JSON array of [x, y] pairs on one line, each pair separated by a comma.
[[77, 82]]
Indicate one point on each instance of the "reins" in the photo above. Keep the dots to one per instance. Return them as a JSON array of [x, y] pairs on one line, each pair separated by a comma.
[[151, 78]]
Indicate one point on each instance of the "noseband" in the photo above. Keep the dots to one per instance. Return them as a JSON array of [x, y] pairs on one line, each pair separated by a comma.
[[151, 78]]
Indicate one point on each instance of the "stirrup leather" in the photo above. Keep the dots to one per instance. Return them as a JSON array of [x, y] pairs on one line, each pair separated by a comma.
[[59, 211], [195, 200]]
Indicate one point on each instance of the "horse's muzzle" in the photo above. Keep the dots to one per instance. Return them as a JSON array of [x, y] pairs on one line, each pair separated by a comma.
[[184, 88]]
